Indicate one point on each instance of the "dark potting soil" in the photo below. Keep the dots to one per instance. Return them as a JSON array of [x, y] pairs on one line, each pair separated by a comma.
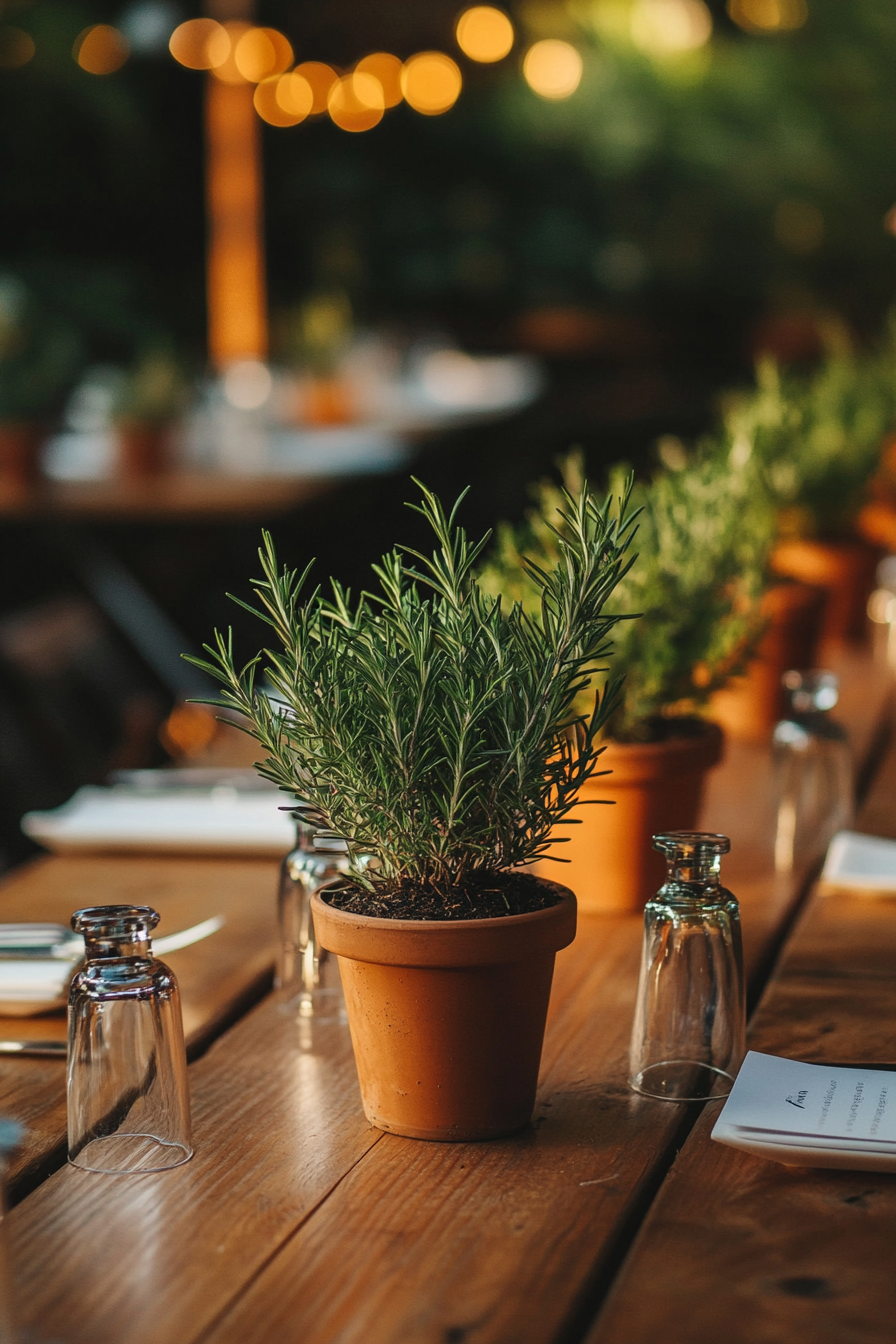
[[486, 896]]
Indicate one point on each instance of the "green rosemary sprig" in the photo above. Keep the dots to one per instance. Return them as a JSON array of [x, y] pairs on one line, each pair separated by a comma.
[[422, 722]]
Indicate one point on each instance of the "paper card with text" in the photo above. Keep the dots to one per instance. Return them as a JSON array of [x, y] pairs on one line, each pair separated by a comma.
[[785, 1097]]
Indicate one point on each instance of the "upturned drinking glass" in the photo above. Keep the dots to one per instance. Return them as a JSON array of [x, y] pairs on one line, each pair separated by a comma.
[[306, 972], [128, 1097], [814, 786], [690, 1018]]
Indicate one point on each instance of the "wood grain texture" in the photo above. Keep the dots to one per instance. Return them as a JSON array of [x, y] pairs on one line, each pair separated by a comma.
[[277, 1123], [331, 1232], [744, 1248], [215, 976]]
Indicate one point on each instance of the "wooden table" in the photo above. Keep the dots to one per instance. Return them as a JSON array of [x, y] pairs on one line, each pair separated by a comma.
[[181, 496], [296, 1221]]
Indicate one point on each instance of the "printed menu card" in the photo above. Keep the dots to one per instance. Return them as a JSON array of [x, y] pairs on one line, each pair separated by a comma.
[[812, 1115]]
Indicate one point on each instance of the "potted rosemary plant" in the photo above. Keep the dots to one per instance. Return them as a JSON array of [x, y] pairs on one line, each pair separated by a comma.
[[437, 732], [703, 536], [149, 400], [819, 440]]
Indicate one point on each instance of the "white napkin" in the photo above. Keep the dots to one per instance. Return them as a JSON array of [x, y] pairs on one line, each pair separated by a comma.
[[220, 820], [812, 1115], [865, 862]]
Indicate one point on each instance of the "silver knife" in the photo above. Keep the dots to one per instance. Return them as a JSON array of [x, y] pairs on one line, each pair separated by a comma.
[[56, 1048]]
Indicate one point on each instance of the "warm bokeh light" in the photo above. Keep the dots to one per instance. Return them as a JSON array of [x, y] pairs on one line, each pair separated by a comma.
[[768, 16], [227, 70], [356, 102], [188, 730], [387, 69], [101, 50], [321, 79], [667, 27], [16, 48], [431, 82], [552, 68], [200, 44], [484, 33], [262, 52], [268, 106], [295, 96]]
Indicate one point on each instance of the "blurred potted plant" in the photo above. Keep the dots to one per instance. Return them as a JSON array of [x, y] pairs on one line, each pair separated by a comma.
[[316, 335], [149, 400], [703, 536], [819, 439], [39, 361], [438, 733]]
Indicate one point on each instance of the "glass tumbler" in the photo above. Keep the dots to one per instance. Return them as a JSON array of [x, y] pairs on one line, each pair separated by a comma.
[[306, 973], [128, 1097], [690, 1018], [814, 785]]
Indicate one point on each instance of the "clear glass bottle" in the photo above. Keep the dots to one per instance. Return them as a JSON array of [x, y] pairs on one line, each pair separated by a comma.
[[814, 784], [307, 974], [128, 1097], [690, 1018]]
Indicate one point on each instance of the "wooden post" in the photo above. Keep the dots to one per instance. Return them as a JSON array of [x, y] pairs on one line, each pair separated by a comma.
[[236, 292]]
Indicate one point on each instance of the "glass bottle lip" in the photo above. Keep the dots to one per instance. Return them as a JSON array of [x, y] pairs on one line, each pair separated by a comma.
[[116, 923], [691, 845]]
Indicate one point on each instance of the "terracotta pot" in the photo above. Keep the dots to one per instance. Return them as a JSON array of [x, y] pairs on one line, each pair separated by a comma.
[[20, 445], [750, 706], [877, 524], [844, 569], [655, 786], [143, 448], [447, 1019]]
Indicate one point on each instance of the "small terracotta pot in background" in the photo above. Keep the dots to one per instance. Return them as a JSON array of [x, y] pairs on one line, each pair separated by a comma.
[[750, 706], [655, 786], [143, 448], [20, 445], [844, 569], [447, 1018]]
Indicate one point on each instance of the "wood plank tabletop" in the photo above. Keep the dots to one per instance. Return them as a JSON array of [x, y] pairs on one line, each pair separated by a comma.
[[297, 1221], [752, 1250], [174, 496], [218, 976]]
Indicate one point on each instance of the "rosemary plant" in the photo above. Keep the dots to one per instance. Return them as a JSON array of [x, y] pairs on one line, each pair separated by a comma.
[[818, 438], [426, 724], [704, 533]]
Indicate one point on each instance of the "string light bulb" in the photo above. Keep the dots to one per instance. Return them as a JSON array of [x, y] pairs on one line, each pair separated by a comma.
[[387, 69], [200, 44], [484, 34], [101, 49], [552, 69], [431, 82]]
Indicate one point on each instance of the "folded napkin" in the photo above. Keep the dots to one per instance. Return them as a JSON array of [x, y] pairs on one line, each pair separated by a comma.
[[865, 862], [222, 819], [812, 1115]]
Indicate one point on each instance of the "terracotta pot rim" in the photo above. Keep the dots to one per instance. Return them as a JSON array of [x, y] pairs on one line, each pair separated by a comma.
[[630, 764], [450, 942]]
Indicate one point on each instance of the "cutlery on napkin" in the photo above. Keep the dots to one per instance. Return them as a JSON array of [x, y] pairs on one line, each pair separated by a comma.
[[37, 962]]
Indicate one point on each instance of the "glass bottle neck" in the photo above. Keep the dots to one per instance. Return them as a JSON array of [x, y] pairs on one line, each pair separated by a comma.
[[698, 870], [116, 949]]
